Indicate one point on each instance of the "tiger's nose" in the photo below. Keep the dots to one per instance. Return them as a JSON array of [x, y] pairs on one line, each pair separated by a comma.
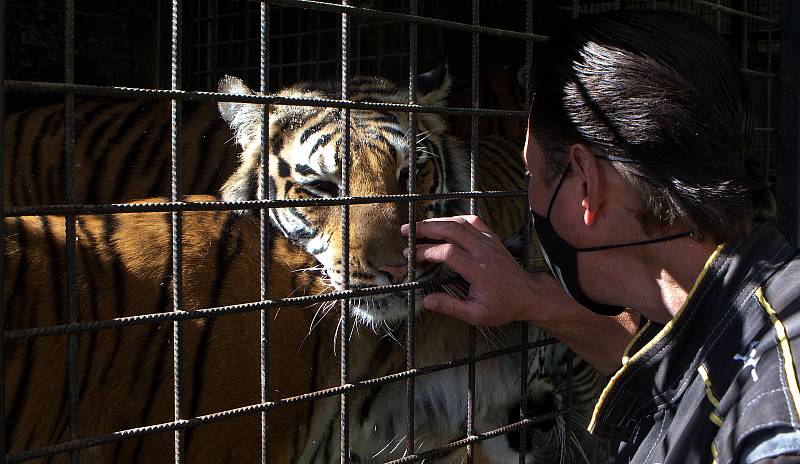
[[396, 273]]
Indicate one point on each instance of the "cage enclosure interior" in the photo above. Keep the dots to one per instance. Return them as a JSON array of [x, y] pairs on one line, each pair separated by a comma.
[[202, 202]]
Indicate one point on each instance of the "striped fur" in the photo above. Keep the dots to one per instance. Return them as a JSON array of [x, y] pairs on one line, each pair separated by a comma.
[[122, 152], [305, 162], [125, 375], [123, 269]]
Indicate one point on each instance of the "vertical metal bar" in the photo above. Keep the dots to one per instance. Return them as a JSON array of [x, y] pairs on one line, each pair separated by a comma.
[[344, 411], [281, 60], [318, 56], [69, 186], [175, 229], [412, 231], [213, 12], [744, 35], [768, 148], [357, 46], [718, 18], [787, 163], [523, 359], [229, 17], [576, 8], [568, 417], [246, 41], [263, 180], [300, 38], [2, 235], [473, 209], [158, 44]]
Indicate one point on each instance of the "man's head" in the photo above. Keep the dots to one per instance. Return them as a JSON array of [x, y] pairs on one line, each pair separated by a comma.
[[663, 91]]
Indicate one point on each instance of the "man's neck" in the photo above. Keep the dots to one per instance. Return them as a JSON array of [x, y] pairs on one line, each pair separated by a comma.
[[676, 267]]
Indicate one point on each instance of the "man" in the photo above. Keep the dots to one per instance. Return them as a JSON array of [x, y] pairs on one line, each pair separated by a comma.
[[638, 131]]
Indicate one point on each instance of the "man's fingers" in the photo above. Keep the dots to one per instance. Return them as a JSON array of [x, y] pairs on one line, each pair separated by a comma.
[[457, 230], [456, 258], [449, 306], [475, 221], [470, 218]]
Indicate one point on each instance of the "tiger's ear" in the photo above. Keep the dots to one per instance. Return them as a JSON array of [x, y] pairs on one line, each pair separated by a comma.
[[434, 86], [244, 118]]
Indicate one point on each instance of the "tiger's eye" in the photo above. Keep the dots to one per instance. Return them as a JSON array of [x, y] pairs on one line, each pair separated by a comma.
[[325, 187]]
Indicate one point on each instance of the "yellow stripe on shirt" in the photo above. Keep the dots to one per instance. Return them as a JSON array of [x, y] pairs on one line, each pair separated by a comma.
[[709, 389], [786, 350], [661, 334]]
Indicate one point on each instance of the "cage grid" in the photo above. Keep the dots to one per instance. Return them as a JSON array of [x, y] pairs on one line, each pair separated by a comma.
[[304, 43], [264, 233], [759, 20]]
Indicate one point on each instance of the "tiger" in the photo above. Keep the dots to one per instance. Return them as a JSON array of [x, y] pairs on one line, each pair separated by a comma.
[[123, 269], [305, 162], [122, 152]]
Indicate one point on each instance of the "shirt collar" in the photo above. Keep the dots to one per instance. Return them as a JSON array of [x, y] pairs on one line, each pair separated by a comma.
[[664, 355]]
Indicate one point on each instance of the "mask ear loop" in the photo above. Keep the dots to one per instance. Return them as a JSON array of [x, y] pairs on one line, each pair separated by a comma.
[[643, 242], [618, 245], [555, 192]]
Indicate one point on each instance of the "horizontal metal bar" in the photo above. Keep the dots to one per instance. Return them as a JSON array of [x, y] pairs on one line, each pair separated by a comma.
[[754, 73], [293, 64], [370, 13], [525, 423], [91, 14], [733, 11], [167, 207], [254, 41], [186, 95], [153, 318], [270, 405], [765, 130]]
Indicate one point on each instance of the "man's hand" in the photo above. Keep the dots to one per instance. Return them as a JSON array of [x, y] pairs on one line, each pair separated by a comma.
[[501, 292]]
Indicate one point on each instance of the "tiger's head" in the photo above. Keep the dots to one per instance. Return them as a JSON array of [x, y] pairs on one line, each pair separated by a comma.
[[306, 147]]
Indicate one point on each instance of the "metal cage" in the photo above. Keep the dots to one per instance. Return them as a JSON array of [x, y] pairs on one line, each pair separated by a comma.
[[281, 41]]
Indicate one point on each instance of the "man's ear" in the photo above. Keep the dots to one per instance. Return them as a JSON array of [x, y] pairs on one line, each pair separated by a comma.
[[593, 183]]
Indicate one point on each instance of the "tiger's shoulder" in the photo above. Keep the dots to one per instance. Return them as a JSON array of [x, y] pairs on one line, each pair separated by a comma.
[[123, 280]]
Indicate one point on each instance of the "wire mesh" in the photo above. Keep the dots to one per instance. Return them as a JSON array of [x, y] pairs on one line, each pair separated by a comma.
[[176, 206], [69, 196], [304, 43], [3, 309], [264, 232], [344, 404], [411, 342]]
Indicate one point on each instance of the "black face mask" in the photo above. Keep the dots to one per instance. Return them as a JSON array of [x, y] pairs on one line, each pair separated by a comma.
[[562, 258]]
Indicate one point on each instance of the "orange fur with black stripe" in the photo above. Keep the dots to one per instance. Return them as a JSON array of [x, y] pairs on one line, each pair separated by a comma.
[[125, 375], [122, 151]]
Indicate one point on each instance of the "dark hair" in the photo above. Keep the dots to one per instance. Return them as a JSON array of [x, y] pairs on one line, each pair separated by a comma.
[[663, 90]]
